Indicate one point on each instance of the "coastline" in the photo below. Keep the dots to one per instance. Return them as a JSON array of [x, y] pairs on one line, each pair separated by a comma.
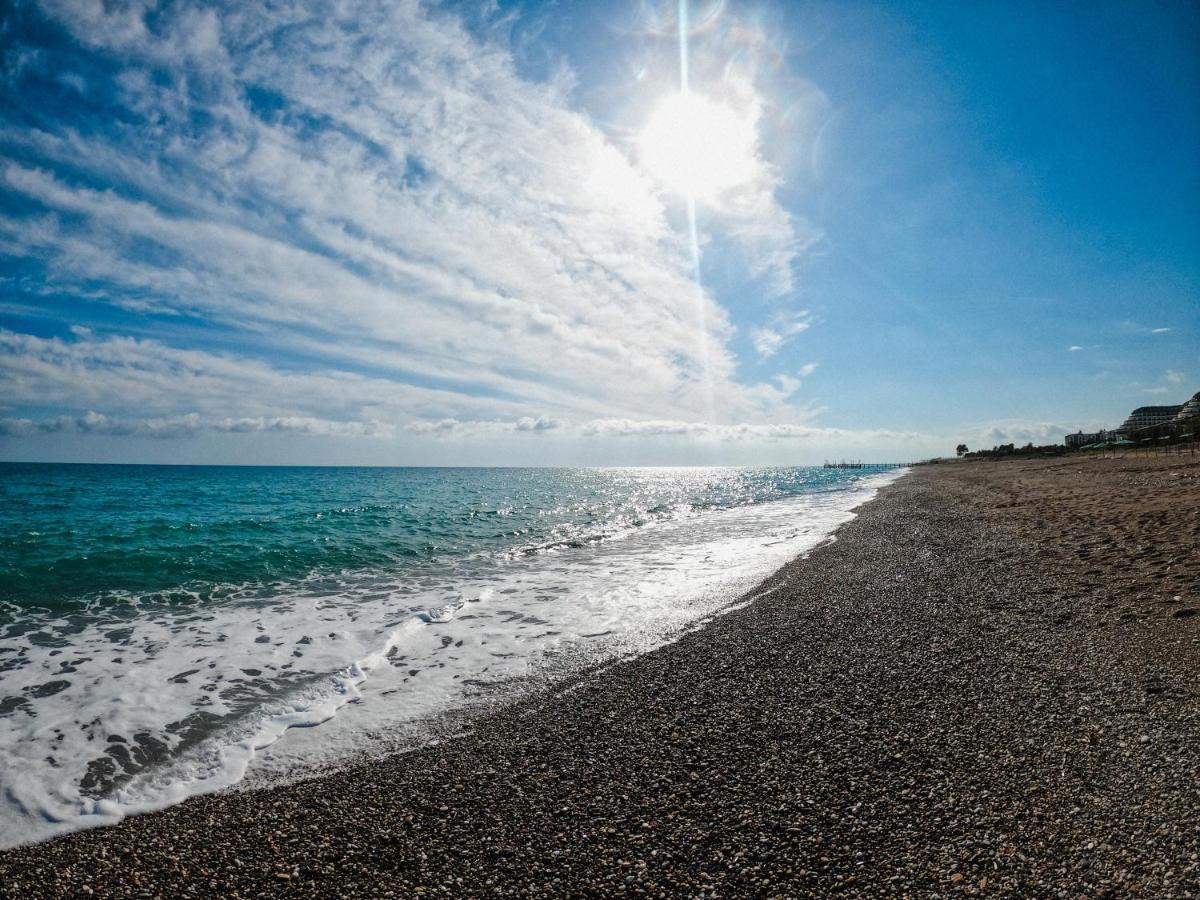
[[375, 644], [985, 683]]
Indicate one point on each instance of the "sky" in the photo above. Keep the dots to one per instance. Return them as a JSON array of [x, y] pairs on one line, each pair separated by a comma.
[[569, 233]]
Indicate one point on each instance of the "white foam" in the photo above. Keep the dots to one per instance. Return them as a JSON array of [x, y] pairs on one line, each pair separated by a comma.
[[364, 656]]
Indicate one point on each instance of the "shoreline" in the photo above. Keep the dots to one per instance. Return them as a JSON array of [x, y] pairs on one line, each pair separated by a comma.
[[375, 653], [952, 694]]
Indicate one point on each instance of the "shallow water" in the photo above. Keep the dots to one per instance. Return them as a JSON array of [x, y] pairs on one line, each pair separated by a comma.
[[166, 631]]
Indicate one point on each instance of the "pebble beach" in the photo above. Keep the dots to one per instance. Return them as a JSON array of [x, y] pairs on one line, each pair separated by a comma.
[[988, 683]]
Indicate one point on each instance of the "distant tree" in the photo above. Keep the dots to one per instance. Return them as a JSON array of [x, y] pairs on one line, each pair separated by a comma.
[[960, 449]]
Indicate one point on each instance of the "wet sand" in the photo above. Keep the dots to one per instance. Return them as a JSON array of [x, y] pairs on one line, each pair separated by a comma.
[[988, 684]]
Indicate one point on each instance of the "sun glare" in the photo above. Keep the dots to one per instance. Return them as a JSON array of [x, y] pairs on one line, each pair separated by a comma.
[[698, 147]]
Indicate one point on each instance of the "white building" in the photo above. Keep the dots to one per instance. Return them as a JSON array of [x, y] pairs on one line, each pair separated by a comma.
[[1149, 416], [1189, 410], [1083, 438]]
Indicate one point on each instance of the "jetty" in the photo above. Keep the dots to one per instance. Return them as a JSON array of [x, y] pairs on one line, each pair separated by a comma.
[[863, 465]]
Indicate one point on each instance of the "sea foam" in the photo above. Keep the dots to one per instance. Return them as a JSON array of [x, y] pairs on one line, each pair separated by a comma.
[[134, 703]]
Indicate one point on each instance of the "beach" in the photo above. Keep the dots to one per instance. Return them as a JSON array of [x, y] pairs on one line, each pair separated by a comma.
[[989, 682]]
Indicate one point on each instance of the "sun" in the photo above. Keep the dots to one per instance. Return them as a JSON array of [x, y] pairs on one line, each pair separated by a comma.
[[698, 147]]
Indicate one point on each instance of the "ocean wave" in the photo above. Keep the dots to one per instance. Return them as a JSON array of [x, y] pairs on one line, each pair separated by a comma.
[[143, 698]]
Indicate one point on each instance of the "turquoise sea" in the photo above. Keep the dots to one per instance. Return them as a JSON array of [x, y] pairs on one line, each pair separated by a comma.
[[166, 631]]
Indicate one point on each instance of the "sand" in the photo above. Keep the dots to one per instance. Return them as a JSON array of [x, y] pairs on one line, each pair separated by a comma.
[[988, 684]]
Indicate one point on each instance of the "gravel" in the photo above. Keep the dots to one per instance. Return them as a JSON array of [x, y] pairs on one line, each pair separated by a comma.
[[928, 705]]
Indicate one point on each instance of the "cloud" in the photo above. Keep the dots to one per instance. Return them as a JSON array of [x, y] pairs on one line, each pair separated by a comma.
[[769, 340], [1133, 327], [1015, 431], [1175, 377], [93, 422], [124, 377], [193, 424], [17, 427], [408, 229], [541, 423], [729, 62], [142, 387], [745, 431], [1158, 391], [1074, 348], [766, 341], [475, 428]]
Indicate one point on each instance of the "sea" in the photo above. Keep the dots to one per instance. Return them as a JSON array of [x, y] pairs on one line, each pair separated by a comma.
[[167, 631]]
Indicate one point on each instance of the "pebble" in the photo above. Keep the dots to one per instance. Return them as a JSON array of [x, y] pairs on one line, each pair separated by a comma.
[[852, 731]]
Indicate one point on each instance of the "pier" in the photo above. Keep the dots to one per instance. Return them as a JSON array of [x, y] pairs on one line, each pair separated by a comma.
[[863, 465]]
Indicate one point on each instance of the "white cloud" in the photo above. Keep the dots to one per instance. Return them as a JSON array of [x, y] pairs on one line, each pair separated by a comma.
[[729, 62], [167, 392], [475, 428], [1157, 391], [93, 422], [541, 423], [1175, 377], [194, 424], [404, 202], [1074, 348], [766, 341], [1014, 431], [124, 376], [737, 432], [1133, 327], [769, 340]]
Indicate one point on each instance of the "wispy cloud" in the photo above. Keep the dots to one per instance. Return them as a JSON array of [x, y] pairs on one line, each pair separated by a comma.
[[1175, 377], [728, 61], [228, 394], [1074, 348], [382, 195], [1132, 327], [737, 432], [770, 339], [119, 375]]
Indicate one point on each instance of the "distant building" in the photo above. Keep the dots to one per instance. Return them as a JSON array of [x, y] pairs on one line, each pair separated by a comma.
[[1189, 410], [1083, 438], [1147, 423], [1149, 416]]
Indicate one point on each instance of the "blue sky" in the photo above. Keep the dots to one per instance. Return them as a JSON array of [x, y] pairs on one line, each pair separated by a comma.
[[459, 233]]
